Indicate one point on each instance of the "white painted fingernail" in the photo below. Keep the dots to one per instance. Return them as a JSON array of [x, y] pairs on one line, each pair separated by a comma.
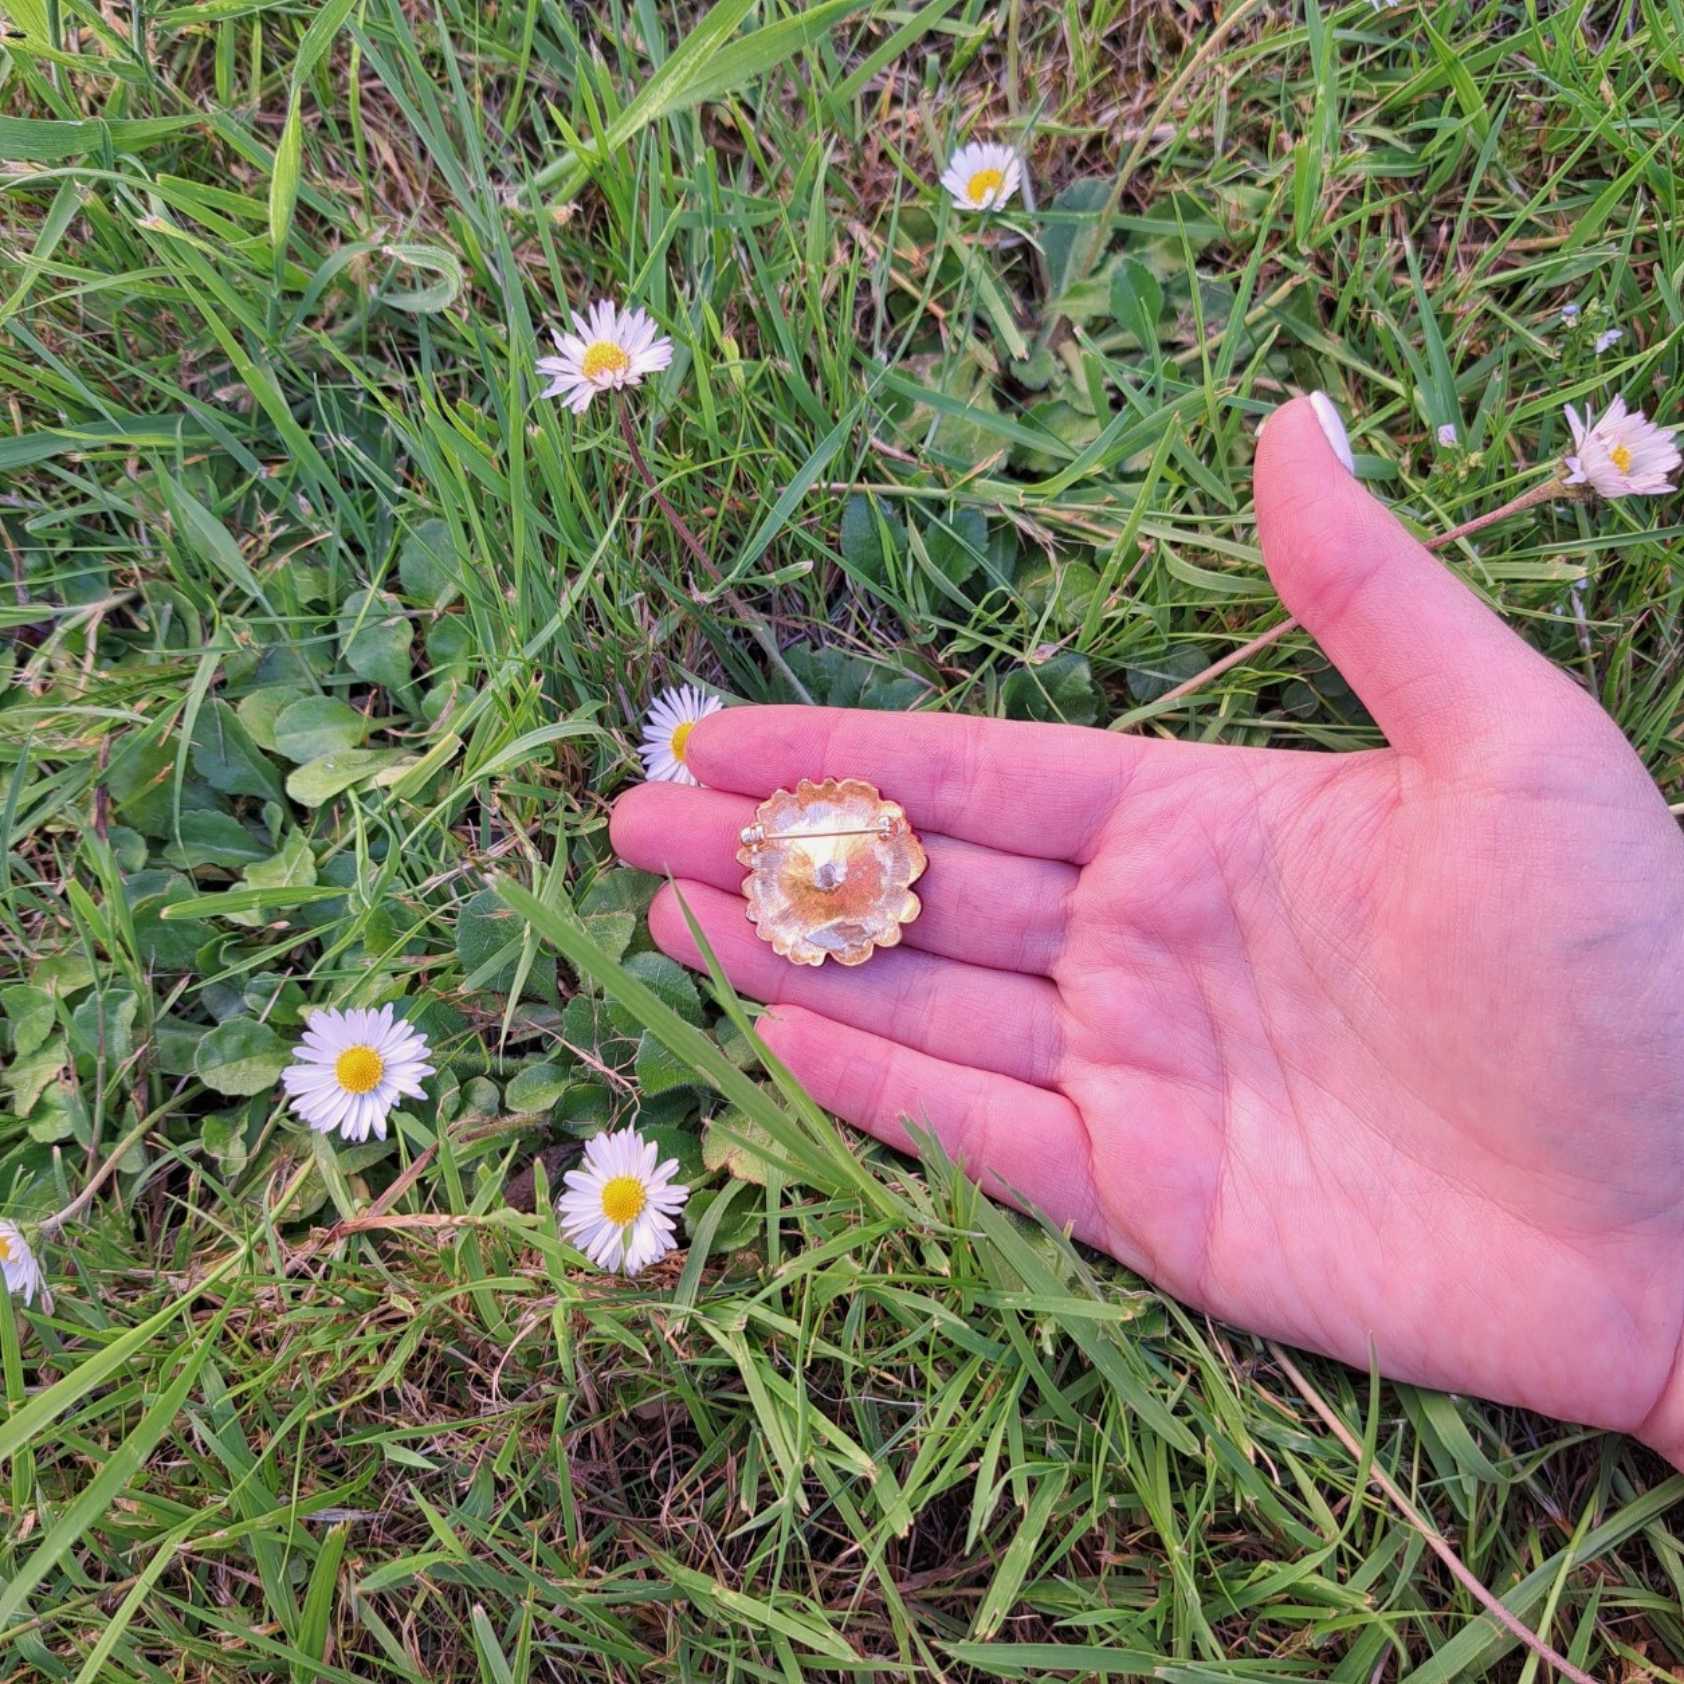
[[1333, 429]]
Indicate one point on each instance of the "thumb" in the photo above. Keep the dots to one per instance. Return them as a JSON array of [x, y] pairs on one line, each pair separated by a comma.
[[1436, 667]]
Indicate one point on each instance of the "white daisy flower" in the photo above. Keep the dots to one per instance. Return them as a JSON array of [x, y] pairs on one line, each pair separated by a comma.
[[666, 732], [352, 1067], [1622, 455], [619, 1208], [1569, 314], [1447, 435], [611, 348], [17, 1263], [1611, 336], [983, 175]]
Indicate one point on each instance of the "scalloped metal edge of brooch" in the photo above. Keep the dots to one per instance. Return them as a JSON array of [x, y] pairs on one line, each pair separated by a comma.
[[801, 906]]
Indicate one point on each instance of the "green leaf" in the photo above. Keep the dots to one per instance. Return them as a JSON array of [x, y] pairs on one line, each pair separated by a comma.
[[437, 295], [427, 566], [225, 756], [487, 931], [375, 635], [870, 538], [1137, 300], [668, 980], [102, 1026], [241, 1056], [736, 1143], [1060, 689], [283, 182], [31, 1015], [536, 1087], [26, 1079], [163, 945], [294, 867], [959, 546], [258, 712], [318, 725], [1074, 241], [212, 838], [319, 780]]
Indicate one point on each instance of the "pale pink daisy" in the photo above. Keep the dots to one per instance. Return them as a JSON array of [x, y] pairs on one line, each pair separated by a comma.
[[1622, 455], [610, 349]]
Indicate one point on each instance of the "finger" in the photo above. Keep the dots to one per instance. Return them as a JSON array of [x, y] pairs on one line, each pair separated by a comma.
[[1434, 665], [1022, 1143], [1040, 790], [996, 1020], [987, 908]]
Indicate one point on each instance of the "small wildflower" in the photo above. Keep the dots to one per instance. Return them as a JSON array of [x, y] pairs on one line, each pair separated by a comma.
[[612, 348], [1611, 336], [1569, 314], [1622, 455], [666, 732], [17, 1263], [983, 175], [619, 1208], [1447, 435], [352, 1067]]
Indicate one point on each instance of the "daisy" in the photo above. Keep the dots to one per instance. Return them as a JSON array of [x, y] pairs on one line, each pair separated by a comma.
[[17, 1263], [1447, 435], [983, 175], [666, 732], [351, 1068], [612, 348], [1612, 336], [1622, 455], [618, 1209]]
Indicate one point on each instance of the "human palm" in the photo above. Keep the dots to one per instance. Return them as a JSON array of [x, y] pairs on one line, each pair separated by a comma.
[[1379, 1050]]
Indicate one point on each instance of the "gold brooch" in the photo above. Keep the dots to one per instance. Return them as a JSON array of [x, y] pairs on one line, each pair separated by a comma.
[[830, 871]]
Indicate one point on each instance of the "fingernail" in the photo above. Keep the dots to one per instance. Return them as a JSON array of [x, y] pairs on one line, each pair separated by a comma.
[[1333, 429]]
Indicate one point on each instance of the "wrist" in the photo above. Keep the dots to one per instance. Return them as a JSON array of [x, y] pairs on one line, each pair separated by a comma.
[[1662, 1429]]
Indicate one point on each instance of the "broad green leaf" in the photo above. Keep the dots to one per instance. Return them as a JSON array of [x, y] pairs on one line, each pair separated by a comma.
[[736, 1144], [211, 838], [318, 725], [241, 1056], [536, 1087], [30, 1014], [26, 1079], [259, 710], [293, 867], [427, 566], [319, 780], [1076, 235], [225, 756], [1059, 690], [375, 635]]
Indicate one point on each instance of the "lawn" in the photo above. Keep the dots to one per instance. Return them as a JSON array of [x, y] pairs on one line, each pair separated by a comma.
[[328, 644]]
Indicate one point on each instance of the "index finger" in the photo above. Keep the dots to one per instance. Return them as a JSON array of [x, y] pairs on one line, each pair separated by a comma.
[[1041, 790]]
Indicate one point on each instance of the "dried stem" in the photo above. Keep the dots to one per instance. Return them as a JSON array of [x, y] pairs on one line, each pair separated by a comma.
[[1552, 487]]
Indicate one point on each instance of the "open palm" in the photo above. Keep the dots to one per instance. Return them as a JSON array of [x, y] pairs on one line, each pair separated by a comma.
[[1380, 1049]]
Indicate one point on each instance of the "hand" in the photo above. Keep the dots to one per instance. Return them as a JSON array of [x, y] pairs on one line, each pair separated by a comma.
[[1341, 1048]]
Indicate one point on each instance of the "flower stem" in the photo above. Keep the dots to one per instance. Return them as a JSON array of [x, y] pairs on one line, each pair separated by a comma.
[[1554, 486]]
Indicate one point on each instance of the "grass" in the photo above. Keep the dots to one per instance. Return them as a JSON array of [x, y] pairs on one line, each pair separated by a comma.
[[328, 636]]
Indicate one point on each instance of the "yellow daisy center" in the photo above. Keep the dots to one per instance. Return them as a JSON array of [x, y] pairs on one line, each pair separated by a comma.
[[604, 358], [623, 1199], [983, 183], [5, 1249], [680, 736], [359, 1069], [1620, 456]]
